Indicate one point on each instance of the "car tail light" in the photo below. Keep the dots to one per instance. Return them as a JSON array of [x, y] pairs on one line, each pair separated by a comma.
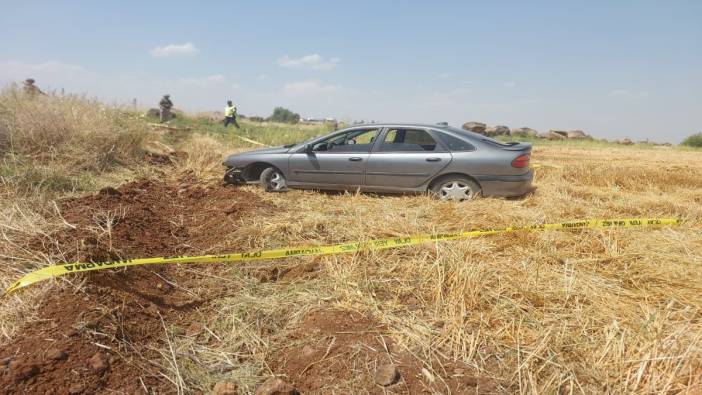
[[521, 161]]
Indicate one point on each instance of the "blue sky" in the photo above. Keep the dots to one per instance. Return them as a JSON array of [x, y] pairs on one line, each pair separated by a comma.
[[612, 68]]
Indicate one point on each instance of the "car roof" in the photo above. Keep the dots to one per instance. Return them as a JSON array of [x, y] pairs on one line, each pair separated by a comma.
[[442, 127], [398, 124]]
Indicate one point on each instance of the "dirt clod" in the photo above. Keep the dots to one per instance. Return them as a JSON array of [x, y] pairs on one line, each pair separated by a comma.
[[76, 388], [308, 351], [225, 388], [276, 386], [386, 375], [98, 362], [56, 354], [22, 372]]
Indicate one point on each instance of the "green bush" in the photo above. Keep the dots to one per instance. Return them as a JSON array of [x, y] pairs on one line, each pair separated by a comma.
[[693, 141], [281, 114]]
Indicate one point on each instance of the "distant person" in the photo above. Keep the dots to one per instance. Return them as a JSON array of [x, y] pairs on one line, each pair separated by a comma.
[[165, 104], [230, 115], [30, 89]]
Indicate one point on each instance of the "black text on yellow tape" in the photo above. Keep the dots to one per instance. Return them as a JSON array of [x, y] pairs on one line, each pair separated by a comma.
[[379, 244]]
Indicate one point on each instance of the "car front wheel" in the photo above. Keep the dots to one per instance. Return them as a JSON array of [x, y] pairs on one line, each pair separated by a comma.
[[273, 180], [456, 188]]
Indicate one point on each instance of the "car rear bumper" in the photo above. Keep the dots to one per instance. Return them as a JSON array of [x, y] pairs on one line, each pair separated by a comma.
[[506, 185]]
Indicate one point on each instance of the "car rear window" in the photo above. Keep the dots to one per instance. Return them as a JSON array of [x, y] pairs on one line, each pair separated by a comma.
[[455, 144]]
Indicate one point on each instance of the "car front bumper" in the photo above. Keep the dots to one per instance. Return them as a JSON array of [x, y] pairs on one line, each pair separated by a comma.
[[506, 185]]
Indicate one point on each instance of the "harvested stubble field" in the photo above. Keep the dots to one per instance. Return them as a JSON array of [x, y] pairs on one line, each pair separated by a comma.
[[584, 311]]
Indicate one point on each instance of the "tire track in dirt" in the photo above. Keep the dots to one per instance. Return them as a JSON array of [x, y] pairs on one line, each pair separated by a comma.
[[104, 334]]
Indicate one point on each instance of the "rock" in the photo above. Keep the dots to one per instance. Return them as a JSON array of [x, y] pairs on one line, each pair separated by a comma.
[[624, 141], [75, 388], [475, 127], [56, 354], [386, 375], [577, 135], [225, 388], [524, 132], [256, 119], [499, 130], [557, 135], [275, 386], [98, 362]]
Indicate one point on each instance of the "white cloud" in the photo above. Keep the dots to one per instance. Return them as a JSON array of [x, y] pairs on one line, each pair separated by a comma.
[[509, 84], [187, 49], [203, 81], [311, 87], [313, 62]]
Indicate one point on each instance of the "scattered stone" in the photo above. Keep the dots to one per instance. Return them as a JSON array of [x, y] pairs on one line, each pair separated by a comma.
[[524, 132], [225, 388], [624, 141], [276, 386], [56, 354], [499, 130], [386, 375], [76, 388], [98, 362], [475, 127]]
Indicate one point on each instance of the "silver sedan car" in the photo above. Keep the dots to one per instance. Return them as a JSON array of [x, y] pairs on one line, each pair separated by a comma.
[[450, 163]]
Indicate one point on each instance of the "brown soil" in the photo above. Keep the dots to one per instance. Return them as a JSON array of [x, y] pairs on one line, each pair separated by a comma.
[[101, 335], [333, 348]]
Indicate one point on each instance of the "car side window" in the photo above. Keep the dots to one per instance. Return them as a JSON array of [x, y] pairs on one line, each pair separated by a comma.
[[408, 140], [455, 144], [359, 140]]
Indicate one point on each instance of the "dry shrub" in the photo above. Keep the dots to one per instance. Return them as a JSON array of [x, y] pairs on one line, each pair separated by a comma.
[[204, 155], [54, 141]]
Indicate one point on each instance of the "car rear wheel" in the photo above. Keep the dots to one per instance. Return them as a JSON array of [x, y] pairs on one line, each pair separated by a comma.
[[456, 188], [273, 180]]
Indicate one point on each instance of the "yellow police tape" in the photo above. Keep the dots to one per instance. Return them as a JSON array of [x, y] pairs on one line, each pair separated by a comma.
[[379, 244]]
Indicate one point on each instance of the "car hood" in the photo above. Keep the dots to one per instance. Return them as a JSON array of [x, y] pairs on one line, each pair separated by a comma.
[[243, 157]]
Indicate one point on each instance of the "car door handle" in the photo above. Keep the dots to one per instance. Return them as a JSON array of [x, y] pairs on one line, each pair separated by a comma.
[[433, 159], [355, 159]]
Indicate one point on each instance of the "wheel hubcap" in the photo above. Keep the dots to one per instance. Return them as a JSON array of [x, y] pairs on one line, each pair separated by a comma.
[[455, 190], [277, 181]]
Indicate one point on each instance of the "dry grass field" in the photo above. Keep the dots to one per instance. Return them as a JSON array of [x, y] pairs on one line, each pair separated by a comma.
[[583, 311]]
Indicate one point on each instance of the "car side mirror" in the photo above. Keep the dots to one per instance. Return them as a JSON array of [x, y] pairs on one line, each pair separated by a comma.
[[309, 149]]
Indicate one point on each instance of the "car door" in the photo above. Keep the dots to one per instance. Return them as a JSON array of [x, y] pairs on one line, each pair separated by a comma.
[[405, 158], [336, 162]]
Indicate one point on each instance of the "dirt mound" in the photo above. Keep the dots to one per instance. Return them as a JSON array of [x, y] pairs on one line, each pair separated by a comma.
[[102, 335], [333, 348]]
